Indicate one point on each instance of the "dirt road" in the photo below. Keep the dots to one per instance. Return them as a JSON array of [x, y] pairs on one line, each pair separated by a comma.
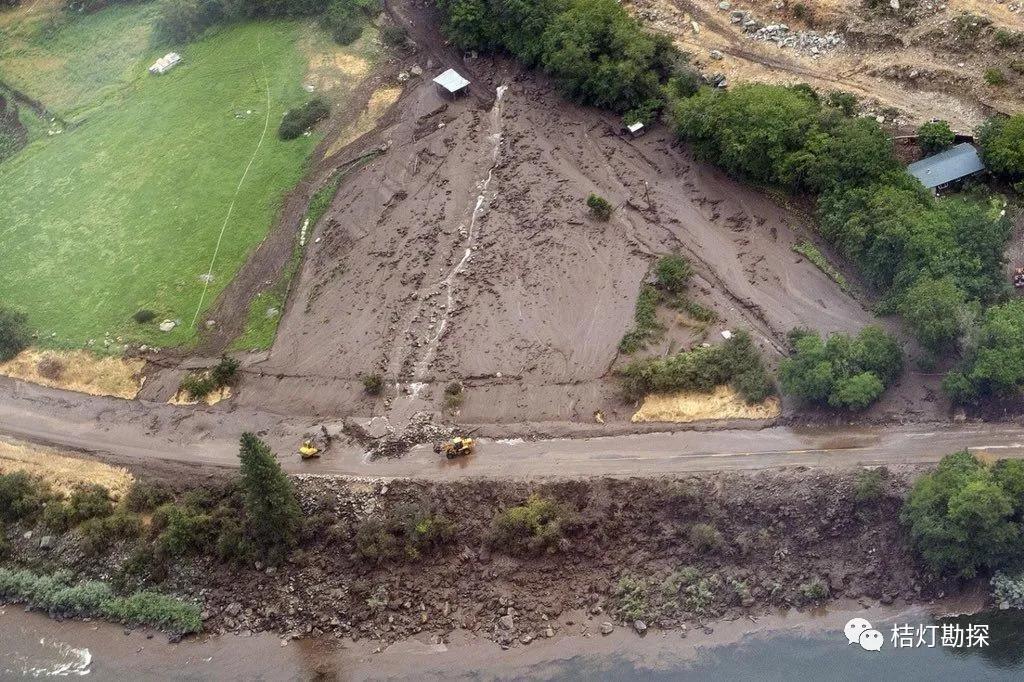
[[140, 432]]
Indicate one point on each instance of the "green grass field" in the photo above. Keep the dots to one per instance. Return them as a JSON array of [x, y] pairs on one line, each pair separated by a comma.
[[123, 210]]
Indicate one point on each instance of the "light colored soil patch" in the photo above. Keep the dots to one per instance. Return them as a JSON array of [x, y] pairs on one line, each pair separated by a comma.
[[379, 103], [182, 398], [79, 371], [62, 472], [723, 403]]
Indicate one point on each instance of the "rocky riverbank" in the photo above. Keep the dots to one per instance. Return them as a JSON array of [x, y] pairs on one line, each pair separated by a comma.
[[670, 553]]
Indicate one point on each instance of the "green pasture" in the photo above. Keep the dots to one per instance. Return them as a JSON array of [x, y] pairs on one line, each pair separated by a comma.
[[123, 209]]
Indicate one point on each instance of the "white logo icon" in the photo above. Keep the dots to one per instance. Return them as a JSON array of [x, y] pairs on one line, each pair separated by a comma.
[[859, 631]]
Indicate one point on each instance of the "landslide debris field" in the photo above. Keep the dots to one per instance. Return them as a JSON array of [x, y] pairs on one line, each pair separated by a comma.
[[909, 62], [466, 253]]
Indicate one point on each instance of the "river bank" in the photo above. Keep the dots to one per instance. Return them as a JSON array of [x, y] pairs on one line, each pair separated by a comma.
[[671, 554], [766, 649]]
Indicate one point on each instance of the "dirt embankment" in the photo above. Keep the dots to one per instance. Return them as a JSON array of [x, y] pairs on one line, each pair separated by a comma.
[[766, 537]]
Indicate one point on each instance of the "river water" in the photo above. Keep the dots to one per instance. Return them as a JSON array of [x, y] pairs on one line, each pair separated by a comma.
[[800, 647]]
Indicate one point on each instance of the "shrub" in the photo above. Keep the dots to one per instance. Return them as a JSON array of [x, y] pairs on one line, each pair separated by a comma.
[[14, 334], [936, 310], [98, 534], [673, 273], [599, 207], [298, 121], [182, 530], [870, 485], [935, 136], [89, 501], [995, 77], [960, 519], [224, 372], [453, 395], [1008, 590], [845, 102], [705, 538], [57, 517], [95, 599], [373, 384], [198, 386], [1017, 65], [408, 533], [646, 327], [146, 496], [844, 371], [537, 527], [394, 36], [21, 496], [632, 599], [50, 367], [272, 514], [182, 21], [814, 590], [735, 362]]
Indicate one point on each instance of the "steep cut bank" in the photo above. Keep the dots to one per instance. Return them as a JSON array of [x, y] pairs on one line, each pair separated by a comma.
[[670, 552]]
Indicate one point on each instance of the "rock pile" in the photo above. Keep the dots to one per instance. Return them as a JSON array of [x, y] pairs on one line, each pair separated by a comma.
[[809, 42]]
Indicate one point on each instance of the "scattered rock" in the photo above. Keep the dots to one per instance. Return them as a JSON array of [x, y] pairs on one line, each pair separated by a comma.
[[716, 54], [506, 622], [607, 628], [46, 542], [640, 626], [168, 325]]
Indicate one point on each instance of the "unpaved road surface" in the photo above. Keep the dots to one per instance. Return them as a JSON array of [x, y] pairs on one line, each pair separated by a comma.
[[138, 432]]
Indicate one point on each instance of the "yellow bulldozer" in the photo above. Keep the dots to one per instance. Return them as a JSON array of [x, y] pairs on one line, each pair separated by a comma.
[[314, 444], [457, 446]]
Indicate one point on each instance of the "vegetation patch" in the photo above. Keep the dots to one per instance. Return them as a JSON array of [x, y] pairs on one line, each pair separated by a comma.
[[842, 371], [537, 527], [63, 474], [299, 120], [78, 370], [735, 363], [646, 327], [57, 593], [818, 259], [690, 406], [198, 385], [406, 534]]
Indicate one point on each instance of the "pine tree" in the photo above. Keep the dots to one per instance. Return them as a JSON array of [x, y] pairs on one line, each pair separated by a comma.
[[271, 508]]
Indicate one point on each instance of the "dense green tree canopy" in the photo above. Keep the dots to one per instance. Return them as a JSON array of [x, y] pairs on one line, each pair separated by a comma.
[[934, 136], [1002, 145], [995, 367], [272, 514]]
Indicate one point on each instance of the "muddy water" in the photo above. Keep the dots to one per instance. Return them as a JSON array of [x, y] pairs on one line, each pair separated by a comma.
[[780, 647]]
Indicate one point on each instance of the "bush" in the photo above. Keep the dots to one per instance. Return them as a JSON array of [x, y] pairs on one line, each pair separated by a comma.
[[298, 121], [21, 496], [272, 515], [224, 372], [14, 334], [145, 496], [453, 395], [814, 590], [735, 362], [870, 485], [673, 273], [408, 533], [182, 530], [537, 527], [995, 77], [95, 599], [599, 207], [89, 501], [373, 384], [182, 21], [960, 519], [50, 367], [845, 102], [98, 534], [844, 371], [394, 36], [705, 538], [646, 327], [198, 386], [935, 136]]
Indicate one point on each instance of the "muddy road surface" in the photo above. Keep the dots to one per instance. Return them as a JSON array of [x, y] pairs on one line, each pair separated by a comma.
[[142, 434], [466, 253]]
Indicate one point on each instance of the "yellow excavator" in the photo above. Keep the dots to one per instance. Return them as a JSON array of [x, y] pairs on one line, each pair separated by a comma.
[[457, 446], [314, 444]]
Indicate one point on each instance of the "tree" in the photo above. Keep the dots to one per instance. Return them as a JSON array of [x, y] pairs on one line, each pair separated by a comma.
[[1001, 141], [844, 371], [272, 513], [996, 366], [960, 518], [934, 136], [935, 309], [14, 334]]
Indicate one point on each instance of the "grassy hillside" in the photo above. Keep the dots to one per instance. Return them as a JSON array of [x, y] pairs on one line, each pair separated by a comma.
[[123, 209]]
